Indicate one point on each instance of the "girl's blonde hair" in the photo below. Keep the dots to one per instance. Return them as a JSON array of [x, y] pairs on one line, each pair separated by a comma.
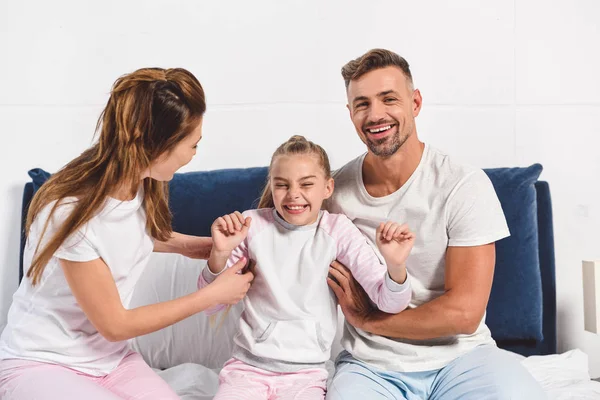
[[148, 113], [295, 145]]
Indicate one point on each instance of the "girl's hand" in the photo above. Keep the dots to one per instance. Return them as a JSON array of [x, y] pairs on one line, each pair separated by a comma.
[[229, 231], [231, 286], [395, 243]]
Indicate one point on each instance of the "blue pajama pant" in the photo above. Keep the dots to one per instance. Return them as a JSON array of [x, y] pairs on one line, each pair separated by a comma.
[[486, 372]]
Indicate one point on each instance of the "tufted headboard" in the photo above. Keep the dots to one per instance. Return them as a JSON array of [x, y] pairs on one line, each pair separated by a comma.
[[521, 311]]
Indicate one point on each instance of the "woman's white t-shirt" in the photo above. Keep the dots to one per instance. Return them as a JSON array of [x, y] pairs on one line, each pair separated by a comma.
[[45, 322]]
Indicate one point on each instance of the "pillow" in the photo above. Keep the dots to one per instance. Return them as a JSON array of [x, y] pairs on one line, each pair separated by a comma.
[[514, 310], [193, 340], [196, 199], [38, 178]]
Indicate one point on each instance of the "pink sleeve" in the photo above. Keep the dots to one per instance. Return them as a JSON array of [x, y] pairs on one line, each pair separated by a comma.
[[360, 258]]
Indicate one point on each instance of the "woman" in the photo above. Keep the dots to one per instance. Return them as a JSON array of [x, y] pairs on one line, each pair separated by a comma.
[[91, 230]]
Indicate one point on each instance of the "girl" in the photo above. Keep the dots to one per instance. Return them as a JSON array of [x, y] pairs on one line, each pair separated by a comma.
[[91, 229], [289, 322]]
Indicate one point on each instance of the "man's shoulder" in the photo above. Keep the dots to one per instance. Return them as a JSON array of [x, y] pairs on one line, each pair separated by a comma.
[[347, 185], [450, 171], [348, 173]]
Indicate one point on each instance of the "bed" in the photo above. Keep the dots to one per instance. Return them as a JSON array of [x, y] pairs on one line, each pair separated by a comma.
[[188, 355]]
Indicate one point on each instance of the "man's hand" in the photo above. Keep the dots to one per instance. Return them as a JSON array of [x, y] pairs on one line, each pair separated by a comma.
[[354, 301]]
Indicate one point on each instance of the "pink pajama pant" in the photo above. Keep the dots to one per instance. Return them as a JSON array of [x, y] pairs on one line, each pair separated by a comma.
[[132, 379], [240, 381]]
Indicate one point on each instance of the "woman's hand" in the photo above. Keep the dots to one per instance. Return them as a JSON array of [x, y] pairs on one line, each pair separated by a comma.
[[231, 286]]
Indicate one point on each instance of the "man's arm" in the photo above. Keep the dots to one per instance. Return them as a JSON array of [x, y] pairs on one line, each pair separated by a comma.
[[187, 245], [469, 274]]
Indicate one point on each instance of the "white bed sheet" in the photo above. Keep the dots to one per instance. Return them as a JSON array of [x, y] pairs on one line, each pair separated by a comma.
[[563, 376]]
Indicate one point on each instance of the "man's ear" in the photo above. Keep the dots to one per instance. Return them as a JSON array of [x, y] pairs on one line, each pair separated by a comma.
[[417, 102]]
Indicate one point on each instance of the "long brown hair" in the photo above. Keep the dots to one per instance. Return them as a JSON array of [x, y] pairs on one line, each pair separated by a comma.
[[295, 145], [148, 113]]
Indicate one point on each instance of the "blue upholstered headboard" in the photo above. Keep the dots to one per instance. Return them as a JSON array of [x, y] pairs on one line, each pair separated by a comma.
[[522, 309]]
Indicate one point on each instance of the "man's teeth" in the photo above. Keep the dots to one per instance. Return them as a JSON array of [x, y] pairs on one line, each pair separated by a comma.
[[377, 130], [295, 207]]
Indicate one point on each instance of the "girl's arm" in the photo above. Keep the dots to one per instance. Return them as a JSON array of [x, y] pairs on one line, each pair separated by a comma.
[[187, 245], [94, 288], [229, 234], [354, 251]]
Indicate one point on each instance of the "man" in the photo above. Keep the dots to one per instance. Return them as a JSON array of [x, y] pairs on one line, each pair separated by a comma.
[[439, 348]]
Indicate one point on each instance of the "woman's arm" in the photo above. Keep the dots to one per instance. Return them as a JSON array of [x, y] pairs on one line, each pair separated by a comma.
[[187, 245], [94, 288]]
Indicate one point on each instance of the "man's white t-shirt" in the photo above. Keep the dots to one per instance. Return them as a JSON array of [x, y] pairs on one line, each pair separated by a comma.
[[45, 322], [446, 204]]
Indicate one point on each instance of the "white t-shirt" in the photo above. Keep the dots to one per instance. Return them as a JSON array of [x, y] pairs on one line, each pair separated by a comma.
[[446, 204], [290, 315], [45, 322]]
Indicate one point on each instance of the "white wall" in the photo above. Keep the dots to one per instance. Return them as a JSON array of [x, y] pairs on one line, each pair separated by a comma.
[[510, 84]]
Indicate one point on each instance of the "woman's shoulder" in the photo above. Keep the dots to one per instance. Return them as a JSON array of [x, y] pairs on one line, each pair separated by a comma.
[[60, 209], [51, 217]]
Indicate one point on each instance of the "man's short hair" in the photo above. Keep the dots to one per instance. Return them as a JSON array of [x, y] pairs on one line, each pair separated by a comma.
[[372, 60]]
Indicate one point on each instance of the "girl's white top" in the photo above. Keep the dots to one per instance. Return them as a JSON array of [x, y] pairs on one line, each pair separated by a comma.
[[290, 315]]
